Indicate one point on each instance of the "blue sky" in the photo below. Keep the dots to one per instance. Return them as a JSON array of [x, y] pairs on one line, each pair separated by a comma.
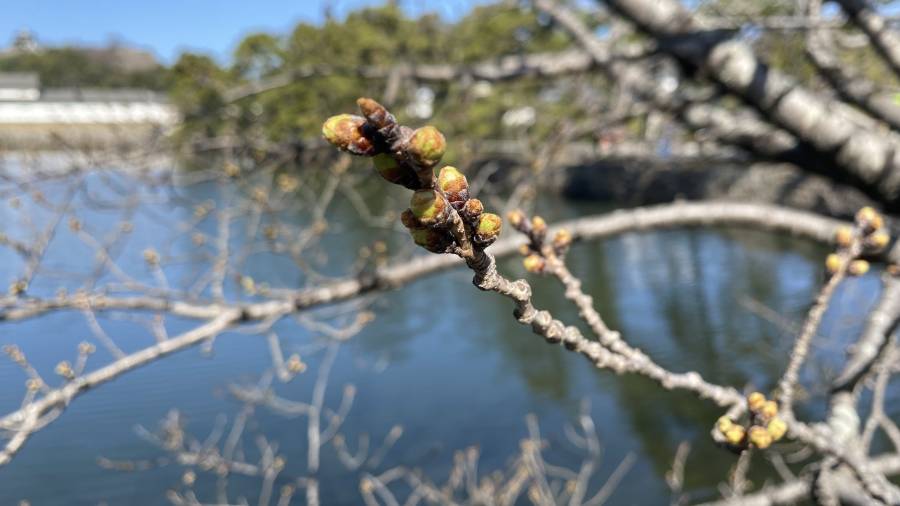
[[167, 27]]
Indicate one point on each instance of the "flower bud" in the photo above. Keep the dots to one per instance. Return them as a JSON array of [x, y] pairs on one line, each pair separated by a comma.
[[844, 236], [454, 185], [877, 241], [561, 240], [429, 207], [777, 428], [472, 210], [524, 250], [760, 437], [858, 267], [769, 410], [833, 263], [869, 219], [427, 146], [755, 401], [375, 113], [735, 435], [433, 240], [538, 225], [533, 263], [488, 230], [391, 170], [516, 218], [345, 131], [724, 424]]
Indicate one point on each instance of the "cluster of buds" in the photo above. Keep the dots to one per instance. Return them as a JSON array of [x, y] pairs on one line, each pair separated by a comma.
[[763, 428], [538, 249], [442, 218], [867, 237]]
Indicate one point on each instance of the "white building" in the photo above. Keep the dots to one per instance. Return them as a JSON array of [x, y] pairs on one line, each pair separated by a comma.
[[47, 118], [23, 102]]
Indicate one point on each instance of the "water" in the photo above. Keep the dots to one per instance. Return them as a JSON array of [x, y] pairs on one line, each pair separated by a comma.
[[445, 361]]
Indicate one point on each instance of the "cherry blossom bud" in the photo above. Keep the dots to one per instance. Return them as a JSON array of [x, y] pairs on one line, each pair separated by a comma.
[[760, 437], [858, 268], [345, 131], [427, 146], [488, 230], [429, 207], [454, 185], [534, 263], [777, 428]]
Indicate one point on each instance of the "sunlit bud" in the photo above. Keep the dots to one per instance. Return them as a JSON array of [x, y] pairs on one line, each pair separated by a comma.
[[844, 236], [472, 210], [760, 437], [376, 113], [427, 146], [724, 424], [524, 250], [735, 435], [295, 365], [755, 401], [188, 478], [562, 239], [232, 169], [345, 131], [777, 428], [287, 183], [435, 241], [533, 263], [248, 285], [869, 219], [858, 267], [538, 225], [86, 348], [380, 247], [516, 218], [877, 241], [454, 185], [151, 256], [198, 239], [489, 226], [833, 263], [34, 384], [64, 369], [429, 207], [769, 410], [74, 224], [388, 168], [18, 287]]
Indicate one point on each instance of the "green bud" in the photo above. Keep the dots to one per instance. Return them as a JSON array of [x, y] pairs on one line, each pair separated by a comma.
[[488, 229], [345, 131], [429, 207], [454, 185], [426, 146], [435, 241], [390, 169]]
